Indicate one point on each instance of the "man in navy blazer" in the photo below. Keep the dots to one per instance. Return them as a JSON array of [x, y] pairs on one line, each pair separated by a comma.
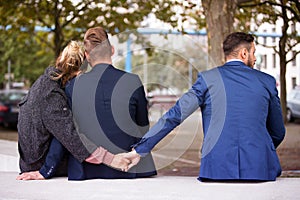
[[108, 105], [241, 118]]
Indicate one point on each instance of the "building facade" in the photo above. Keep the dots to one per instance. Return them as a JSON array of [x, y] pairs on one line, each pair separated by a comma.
[[268, 60]]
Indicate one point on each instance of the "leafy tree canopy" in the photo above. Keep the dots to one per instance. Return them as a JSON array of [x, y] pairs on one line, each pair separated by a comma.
[[40, 29]]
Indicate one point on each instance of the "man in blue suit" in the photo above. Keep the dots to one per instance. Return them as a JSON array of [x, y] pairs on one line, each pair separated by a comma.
[[241, 118], [108, 105]]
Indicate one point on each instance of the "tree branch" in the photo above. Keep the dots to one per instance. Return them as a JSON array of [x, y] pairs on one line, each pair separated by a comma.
[[76, 12], [293, 57], [296, 15], [40, 18]]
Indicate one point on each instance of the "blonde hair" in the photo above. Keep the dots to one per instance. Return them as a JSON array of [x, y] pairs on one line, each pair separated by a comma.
[[69, 62]]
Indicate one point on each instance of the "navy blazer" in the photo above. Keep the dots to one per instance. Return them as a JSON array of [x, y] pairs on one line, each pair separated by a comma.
[[110, 108], [242, 123]]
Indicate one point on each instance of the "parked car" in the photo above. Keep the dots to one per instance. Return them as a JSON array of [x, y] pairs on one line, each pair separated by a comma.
[[293, 105], [9, 109]]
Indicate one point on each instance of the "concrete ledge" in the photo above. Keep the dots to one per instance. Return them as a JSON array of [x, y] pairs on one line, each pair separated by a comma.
[[161, 187], [9, 157]]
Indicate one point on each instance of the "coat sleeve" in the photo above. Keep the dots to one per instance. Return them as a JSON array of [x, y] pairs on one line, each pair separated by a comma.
[[275, 124], [58, 120]]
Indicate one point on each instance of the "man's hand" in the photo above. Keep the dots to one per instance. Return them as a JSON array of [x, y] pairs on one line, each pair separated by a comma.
[[134, 157], [34, 175], [124, 161], [120, 162]]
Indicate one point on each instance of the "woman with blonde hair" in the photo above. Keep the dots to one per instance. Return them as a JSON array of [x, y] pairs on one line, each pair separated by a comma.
[[45, 123], [69, 62]]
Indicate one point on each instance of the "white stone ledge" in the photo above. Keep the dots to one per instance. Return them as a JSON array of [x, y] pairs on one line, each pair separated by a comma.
[[161, 187]]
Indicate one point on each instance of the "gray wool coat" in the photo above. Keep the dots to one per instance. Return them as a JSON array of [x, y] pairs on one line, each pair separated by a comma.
[[44, 114]]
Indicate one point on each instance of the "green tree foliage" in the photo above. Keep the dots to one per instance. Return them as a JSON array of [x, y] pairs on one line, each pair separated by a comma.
[[27, 55], [48, 25]]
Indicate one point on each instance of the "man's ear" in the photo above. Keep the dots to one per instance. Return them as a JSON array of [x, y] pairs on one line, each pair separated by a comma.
[[244, 53], [112, 50]]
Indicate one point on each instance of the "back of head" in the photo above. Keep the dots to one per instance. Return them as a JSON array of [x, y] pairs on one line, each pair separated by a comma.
[[69, 62], [96, 43], [234, 41]]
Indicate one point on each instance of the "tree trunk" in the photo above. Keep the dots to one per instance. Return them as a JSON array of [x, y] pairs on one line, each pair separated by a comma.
[[219, 23], [57, 41], [58, 35], [283, 61]]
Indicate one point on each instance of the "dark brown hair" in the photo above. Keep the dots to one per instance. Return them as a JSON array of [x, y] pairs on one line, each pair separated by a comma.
[[97, 37], [235, 40]]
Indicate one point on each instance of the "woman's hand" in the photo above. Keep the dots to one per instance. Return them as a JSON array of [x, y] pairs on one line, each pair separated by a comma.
[[120, 162], [125, 161], [34, 175]]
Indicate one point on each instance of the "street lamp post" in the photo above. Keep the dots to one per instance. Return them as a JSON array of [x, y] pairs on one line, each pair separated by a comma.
[[9, 75]]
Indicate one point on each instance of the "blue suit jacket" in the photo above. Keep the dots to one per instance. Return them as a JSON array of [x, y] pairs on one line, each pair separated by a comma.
[[242, 123], [110, 108]]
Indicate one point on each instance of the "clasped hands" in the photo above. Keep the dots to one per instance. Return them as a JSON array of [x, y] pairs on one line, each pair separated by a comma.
[[121, 161], [125, 161]]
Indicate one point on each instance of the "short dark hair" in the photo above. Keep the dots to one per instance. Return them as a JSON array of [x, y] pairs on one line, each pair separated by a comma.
[[97, 37], [235, 40]]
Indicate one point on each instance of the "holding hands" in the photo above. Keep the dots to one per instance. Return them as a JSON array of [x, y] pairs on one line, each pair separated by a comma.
[[121, 161], [125, 161]]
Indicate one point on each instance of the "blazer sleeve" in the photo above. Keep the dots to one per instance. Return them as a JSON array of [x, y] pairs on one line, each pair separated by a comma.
[[184, 107], [275, 124], [139, 109], [54, 156], [58, 120], [69, 91]]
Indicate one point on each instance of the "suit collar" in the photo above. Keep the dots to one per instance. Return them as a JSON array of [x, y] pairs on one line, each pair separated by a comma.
[[232, 60], [236, 63], [102, 65]]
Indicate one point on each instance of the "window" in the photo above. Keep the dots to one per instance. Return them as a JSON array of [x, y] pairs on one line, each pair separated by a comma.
[[293, 28], [294, 82], [294, 60], [265, 61], [274, 60], [265, 38], [274, 38]]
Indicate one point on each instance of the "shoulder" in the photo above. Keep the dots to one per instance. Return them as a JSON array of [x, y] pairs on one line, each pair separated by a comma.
[[267, 81], [210, 76], [127, 75], [120, 71], [210, 72], [43, 85], [264, 76], [51, 88]]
